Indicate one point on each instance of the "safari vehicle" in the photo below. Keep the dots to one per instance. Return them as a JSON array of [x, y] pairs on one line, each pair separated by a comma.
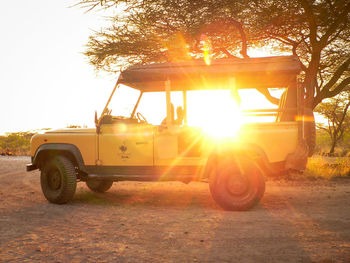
[[132, 149]]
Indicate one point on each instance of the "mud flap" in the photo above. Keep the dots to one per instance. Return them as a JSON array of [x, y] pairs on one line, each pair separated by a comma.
[[298, 159]]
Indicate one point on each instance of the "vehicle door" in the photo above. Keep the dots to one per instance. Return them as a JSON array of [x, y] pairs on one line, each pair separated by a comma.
[[124, 141], [174, 142], [122, 144]]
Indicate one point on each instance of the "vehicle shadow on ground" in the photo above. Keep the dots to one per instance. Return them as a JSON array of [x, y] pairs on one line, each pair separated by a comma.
[[277, 217], [174, 195], [255, 236], [277, 228]]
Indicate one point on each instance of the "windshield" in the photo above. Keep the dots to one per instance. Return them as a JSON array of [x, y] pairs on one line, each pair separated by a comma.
[[123, 101], [152, 104]]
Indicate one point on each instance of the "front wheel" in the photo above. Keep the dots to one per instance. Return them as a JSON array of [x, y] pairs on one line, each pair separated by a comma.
[[58, 180], [99, 186], [236, 184]]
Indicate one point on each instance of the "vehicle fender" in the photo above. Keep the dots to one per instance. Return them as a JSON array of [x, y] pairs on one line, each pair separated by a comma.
[[51, 149], [251, 151]]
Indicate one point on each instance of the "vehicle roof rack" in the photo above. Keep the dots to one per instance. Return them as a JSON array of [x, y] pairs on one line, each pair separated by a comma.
[[261, 72]]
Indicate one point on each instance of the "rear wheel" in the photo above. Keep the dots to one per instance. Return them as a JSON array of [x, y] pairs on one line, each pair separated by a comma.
[[236, 184], [99, 186], [58, 180]]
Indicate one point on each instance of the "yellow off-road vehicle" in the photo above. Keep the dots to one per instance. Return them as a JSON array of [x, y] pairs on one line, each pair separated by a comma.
[[253, 143]]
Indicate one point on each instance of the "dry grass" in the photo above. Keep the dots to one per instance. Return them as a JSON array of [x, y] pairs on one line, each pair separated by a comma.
[[327, 167]]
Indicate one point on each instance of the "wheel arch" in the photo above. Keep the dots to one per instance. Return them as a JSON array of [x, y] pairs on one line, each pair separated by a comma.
[[251, 151], [52, 149]]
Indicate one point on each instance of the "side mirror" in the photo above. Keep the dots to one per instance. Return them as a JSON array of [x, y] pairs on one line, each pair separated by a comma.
[[96, 120]]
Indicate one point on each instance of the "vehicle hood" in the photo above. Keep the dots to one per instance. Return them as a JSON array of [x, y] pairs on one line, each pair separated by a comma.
[[72, 130]]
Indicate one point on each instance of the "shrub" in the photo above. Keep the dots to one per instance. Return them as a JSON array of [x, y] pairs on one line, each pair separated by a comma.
[[17, 143], [327, 167]]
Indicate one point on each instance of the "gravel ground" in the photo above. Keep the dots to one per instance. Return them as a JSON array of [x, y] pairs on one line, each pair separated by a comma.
[[296, 221]]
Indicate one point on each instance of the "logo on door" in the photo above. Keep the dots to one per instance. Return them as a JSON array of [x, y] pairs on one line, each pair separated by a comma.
[[123, 148], [124, 154]]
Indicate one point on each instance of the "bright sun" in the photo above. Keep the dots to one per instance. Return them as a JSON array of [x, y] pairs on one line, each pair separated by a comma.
[[220, 114], [215, 111]]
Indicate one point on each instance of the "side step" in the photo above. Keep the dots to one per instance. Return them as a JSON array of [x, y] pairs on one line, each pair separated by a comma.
[[144, 178]]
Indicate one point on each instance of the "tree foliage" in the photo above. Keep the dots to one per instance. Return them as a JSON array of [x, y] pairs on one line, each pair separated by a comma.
[[317, 31], [336, 111]]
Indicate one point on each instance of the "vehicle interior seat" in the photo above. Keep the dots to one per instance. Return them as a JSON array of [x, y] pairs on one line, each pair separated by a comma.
[[287, 106]]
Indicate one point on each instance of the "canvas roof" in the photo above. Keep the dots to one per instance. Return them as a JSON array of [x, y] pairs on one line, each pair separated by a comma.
[[190, 75]]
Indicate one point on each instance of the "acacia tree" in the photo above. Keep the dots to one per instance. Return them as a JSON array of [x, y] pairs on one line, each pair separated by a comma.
[[317, 31], [336, 111]]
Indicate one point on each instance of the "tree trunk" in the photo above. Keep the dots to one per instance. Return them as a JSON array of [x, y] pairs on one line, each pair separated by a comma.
[[334, 142], [311, 77]]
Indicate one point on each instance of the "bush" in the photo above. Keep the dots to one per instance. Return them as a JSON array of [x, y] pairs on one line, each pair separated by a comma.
[[17, 143], [327, 167], [323, 144]]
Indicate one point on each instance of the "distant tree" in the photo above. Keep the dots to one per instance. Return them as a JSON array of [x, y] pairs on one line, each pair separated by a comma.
[[317, 31], [336, 111]]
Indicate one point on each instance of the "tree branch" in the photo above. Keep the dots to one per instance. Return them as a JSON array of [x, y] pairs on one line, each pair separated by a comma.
[[268, 96], [240, 29], [292, 43], [286, 40], [340, 18], [337, 74], [339, 88], [321, 78], [337, 34], [342, 119], [331, 6], [226, 52], [311, 21], [342, 85]]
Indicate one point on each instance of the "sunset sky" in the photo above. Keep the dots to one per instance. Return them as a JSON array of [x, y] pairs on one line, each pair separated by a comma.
[[45, 81]]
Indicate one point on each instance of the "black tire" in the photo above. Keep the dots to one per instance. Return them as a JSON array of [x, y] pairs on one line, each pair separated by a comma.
[[236, 184], [99, 186], [310, 131], [261, 185], [58, 180]]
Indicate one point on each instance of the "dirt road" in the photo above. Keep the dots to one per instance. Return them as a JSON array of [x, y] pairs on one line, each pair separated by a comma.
[[298, 221]]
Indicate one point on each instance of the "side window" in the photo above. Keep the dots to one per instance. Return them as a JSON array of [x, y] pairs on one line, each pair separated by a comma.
[[153, 105], [251, 99]]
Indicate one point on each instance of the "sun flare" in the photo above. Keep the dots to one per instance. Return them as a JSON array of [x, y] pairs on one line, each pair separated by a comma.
[[216, 112]]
